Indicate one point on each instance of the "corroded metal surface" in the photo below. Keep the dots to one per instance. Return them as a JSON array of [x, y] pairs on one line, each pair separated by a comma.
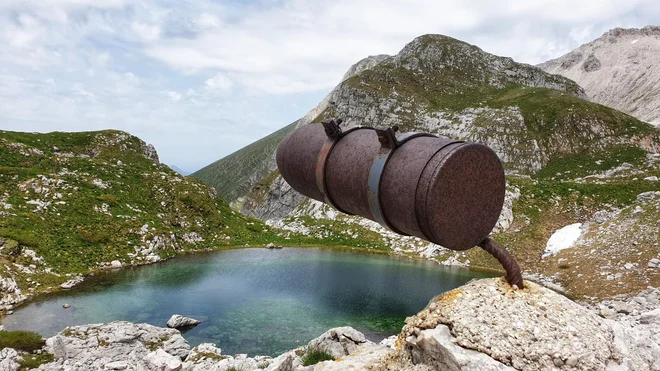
[[445, 191]]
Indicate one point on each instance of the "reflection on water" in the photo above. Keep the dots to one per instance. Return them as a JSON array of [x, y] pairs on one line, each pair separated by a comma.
[[255, 301]]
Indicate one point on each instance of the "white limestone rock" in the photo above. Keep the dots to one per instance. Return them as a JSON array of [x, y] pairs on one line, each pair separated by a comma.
[[179, 321], [529, 329], [339, 342], [9, 359], [620, 69], [160, 360], [435, 346], [72, 282], [94, 347]]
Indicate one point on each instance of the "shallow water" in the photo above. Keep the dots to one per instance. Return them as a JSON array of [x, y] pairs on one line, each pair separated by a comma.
[[256, 301]]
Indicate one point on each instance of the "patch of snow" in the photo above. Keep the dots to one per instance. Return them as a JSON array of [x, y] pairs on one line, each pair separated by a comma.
[[563, 239]]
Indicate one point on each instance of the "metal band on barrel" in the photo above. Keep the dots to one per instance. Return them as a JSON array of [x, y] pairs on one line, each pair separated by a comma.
[[321, 163], [376, 174], [320, 171]]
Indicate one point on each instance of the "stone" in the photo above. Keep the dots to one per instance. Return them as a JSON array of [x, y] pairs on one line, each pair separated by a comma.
[[9, 359], [179, 321], [622, 308], [389, 342], [572, 361], [66, 306], [652, 317], [364, 358], [436, 349], [654, 263], [508, 326], [339, 342], [92, 347], [72, 282], [117, 365], [282, 363], [115, 264], [160, 360]]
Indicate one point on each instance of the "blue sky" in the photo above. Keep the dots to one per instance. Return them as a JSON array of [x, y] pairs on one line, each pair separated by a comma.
[[201, 79]]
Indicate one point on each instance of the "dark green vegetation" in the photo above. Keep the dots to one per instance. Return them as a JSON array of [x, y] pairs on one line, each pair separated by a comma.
[[233, 175], [316, 355], [26, 341], [32, 361]]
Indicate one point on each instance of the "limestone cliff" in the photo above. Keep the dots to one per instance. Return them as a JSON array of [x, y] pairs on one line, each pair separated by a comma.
[[620, 69]]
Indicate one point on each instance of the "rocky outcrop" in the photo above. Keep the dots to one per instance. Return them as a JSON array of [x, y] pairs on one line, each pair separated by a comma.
[[72, 282], [10, 294], [9, 359], [99, 346], [178, 321], [620, 69], [487, 325]]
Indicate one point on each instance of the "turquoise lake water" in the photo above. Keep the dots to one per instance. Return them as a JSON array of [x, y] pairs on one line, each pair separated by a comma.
[[255, 301]]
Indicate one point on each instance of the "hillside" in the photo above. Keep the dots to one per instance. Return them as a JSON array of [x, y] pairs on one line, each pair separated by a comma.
[[233, 175], [567, 159], [620, 69], [71, 203]]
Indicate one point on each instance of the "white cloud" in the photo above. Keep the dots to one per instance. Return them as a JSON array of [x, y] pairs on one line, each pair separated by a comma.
[[174, 96], [146, 32], [219, 83], [200, 79]]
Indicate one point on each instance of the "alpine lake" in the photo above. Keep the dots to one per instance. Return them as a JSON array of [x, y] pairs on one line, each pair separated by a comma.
[[255, 301]]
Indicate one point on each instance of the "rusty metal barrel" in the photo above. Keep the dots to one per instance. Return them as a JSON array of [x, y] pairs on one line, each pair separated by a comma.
[[445, 191]]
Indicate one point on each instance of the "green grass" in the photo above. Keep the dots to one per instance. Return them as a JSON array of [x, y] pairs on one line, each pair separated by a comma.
[[316, 355], [26, 341], [231, 175], [32, 361], [93, 225]]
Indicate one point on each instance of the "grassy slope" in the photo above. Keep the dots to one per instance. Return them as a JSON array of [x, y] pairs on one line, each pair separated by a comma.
[[82, 200], [231, 176]]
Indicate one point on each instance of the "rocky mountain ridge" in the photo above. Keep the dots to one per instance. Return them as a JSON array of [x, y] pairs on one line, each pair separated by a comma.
[[620, 69]]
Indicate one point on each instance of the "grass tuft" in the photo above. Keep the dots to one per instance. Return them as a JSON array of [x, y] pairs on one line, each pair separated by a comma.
[[316, 355]]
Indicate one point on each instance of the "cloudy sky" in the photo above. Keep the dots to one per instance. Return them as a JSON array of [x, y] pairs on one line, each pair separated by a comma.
[[200, 79]]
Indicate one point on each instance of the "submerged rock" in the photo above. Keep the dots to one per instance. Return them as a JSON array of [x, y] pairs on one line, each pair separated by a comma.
[[179, 321]]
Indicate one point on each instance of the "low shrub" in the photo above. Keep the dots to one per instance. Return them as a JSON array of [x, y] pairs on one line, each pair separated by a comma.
[[26, 341], [316, 355]]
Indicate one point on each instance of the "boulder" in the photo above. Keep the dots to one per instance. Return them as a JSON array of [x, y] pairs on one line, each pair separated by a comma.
[[72, 282], [339, 342], [488, 325], [9, 359], [102, 346], [160, 360], [179, 321]]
